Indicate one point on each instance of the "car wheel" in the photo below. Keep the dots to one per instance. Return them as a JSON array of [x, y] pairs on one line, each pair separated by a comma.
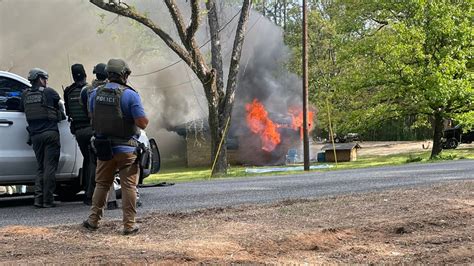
[[452, 143]]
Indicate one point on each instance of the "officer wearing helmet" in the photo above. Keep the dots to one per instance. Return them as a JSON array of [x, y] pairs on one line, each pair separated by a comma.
[[42, 108], [117, 115], [89, 171], [80, 123]]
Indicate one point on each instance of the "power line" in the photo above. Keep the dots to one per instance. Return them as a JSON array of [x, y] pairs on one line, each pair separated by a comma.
[[171, 86], [170, 65]]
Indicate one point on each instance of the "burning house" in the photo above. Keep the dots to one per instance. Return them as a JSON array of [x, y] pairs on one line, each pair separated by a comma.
[[264, 139], [267, 114]]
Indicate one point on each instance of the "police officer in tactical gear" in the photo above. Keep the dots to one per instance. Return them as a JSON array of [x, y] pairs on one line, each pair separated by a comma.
[[80, 125], [41, 105], [117, 115], [85, 135], [101, 79]]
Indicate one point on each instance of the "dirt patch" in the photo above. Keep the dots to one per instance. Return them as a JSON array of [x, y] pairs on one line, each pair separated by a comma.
[[393, 147], [389, 147], [423, 225], [384, 147]]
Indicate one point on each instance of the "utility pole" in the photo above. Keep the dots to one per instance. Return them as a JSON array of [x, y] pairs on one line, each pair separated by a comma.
[[305, 89]]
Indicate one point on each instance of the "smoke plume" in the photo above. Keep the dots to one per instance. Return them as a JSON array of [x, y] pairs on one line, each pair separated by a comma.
[[55, 34]]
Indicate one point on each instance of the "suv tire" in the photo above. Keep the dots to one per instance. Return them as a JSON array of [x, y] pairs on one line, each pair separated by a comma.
[[451, 143]]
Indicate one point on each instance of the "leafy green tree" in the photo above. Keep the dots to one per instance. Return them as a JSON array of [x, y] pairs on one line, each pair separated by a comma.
[[408, 57], [324, 43]]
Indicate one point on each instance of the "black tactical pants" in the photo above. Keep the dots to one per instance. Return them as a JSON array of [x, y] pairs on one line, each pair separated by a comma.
[[47, 150], [83, 137]]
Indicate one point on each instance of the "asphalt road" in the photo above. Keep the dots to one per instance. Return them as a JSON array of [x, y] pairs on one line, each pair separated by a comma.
[[254, 190]]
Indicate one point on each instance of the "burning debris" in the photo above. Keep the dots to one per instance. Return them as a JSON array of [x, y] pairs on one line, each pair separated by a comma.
[[260, 124], [297, 119]]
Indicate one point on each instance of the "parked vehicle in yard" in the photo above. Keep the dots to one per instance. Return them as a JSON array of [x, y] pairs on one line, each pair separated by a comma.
[[350, 137], [452, 137], [17, 159]]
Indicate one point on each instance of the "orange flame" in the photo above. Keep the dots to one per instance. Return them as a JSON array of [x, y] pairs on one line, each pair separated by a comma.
[[259, 123], [297, 119]]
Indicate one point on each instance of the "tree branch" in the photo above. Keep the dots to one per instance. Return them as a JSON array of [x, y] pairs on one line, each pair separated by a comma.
[[178, 21], [193, 26], [188, 40], [191, 43], [216, 51], [133, 14], [235, 59]]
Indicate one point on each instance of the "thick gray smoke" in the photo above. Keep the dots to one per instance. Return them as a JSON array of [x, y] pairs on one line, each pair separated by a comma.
[[264, 77], [55, 34]]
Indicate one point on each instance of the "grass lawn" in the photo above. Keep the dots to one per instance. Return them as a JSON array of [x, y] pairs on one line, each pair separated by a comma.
[[184, 174]]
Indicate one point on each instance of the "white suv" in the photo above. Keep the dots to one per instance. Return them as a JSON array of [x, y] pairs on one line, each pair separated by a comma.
[[17, 159]]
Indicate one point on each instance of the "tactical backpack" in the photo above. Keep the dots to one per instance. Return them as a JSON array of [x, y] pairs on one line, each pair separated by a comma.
[[36, 107], [78, 116]]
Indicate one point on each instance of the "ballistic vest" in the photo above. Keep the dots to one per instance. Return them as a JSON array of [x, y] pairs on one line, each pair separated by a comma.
[[36, 107], [108, 119], [80, 119], [95, 83]]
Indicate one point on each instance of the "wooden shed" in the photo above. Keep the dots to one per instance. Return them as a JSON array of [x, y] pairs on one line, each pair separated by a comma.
[[345, 152]]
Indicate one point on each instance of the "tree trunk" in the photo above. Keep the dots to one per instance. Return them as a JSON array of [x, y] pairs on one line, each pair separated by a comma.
[[226, 102], [437, 135], [219, 143], [216, 130]]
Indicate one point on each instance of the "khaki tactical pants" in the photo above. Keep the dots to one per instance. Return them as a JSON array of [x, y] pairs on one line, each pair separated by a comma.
[[128, 169]]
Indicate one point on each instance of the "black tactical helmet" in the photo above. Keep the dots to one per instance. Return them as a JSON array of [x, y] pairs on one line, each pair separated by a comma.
[[36, 73], [78, 72], [117, 66], [100, 69]]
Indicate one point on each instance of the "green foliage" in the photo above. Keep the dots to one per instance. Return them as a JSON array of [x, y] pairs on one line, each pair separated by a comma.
[[377, 61], [466, 120], [442, 157], [414, 159], [415, 55]]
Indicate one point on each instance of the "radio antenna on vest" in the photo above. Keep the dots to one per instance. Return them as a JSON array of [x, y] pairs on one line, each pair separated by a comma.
[[68, 66]]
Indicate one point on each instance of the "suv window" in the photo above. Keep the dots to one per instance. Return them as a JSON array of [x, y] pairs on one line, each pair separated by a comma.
[[10, 94]]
